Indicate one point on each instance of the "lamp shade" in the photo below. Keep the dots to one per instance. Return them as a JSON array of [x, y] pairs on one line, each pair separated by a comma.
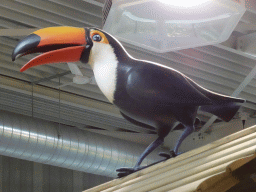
[[167, 25]]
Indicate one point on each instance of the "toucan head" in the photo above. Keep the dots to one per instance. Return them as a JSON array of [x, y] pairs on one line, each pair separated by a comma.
[[61, 44]]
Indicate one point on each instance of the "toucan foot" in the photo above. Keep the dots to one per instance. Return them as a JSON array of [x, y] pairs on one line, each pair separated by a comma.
[[173, 154], [124, 171]]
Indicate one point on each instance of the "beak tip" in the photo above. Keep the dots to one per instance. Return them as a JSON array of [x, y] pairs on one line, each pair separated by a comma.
[[13, 55], [25, 45], [22, 69]]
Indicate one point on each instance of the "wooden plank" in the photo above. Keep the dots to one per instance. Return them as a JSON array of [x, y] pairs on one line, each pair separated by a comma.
[[187, 180], [169, 175], [191, 187], [228, 179], [180, 170]]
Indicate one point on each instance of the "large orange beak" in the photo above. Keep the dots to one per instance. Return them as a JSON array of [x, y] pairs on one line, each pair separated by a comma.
[[58, 44]]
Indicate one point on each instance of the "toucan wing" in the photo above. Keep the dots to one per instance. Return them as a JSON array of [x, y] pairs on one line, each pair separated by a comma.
[[163, 86]]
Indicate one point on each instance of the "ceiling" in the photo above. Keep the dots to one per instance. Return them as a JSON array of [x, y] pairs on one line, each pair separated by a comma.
[[221, 68]]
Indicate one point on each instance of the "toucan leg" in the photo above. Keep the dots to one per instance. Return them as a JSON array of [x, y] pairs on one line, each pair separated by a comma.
[[126, 171], [188, 130], [149, 149], [173, 153]]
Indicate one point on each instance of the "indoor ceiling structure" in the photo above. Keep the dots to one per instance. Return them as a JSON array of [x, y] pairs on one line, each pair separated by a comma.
[[47, 92]]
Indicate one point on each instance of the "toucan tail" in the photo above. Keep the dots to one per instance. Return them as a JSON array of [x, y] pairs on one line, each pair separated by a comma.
[[223, 106], [224, 111]]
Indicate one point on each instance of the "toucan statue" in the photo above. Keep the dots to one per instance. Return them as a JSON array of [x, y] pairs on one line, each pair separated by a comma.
[[147, 94]]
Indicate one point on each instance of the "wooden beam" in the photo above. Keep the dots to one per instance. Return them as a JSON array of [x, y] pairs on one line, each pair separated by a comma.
[[231, 177], [188, 169]]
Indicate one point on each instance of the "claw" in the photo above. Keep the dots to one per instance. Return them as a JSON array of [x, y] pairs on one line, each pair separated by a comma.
[[166, 155], [124, 171], [122, 174]]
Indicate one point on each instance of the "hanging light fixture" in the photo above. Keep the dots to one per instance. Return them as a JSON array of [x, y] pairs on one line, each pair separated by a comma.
[[184, 3], [167, 25]]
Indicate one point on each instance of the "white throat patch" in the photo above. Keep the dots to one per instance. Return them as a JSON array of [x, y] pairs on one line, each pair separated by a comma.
[[104, 65]]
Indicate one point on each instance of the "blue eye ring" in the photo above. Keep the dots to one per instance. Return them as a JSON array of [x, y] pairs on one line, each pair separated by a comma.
[[96, 37]]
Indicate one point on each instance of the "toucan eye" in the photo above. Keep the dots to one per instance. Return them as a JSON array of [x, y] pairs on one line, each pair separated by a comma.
[[96, 37]]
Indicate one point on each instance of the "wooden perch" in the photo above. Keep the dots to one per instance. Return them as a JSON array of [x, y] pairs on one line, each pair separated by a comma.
[[235, 173], [199, 170]]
